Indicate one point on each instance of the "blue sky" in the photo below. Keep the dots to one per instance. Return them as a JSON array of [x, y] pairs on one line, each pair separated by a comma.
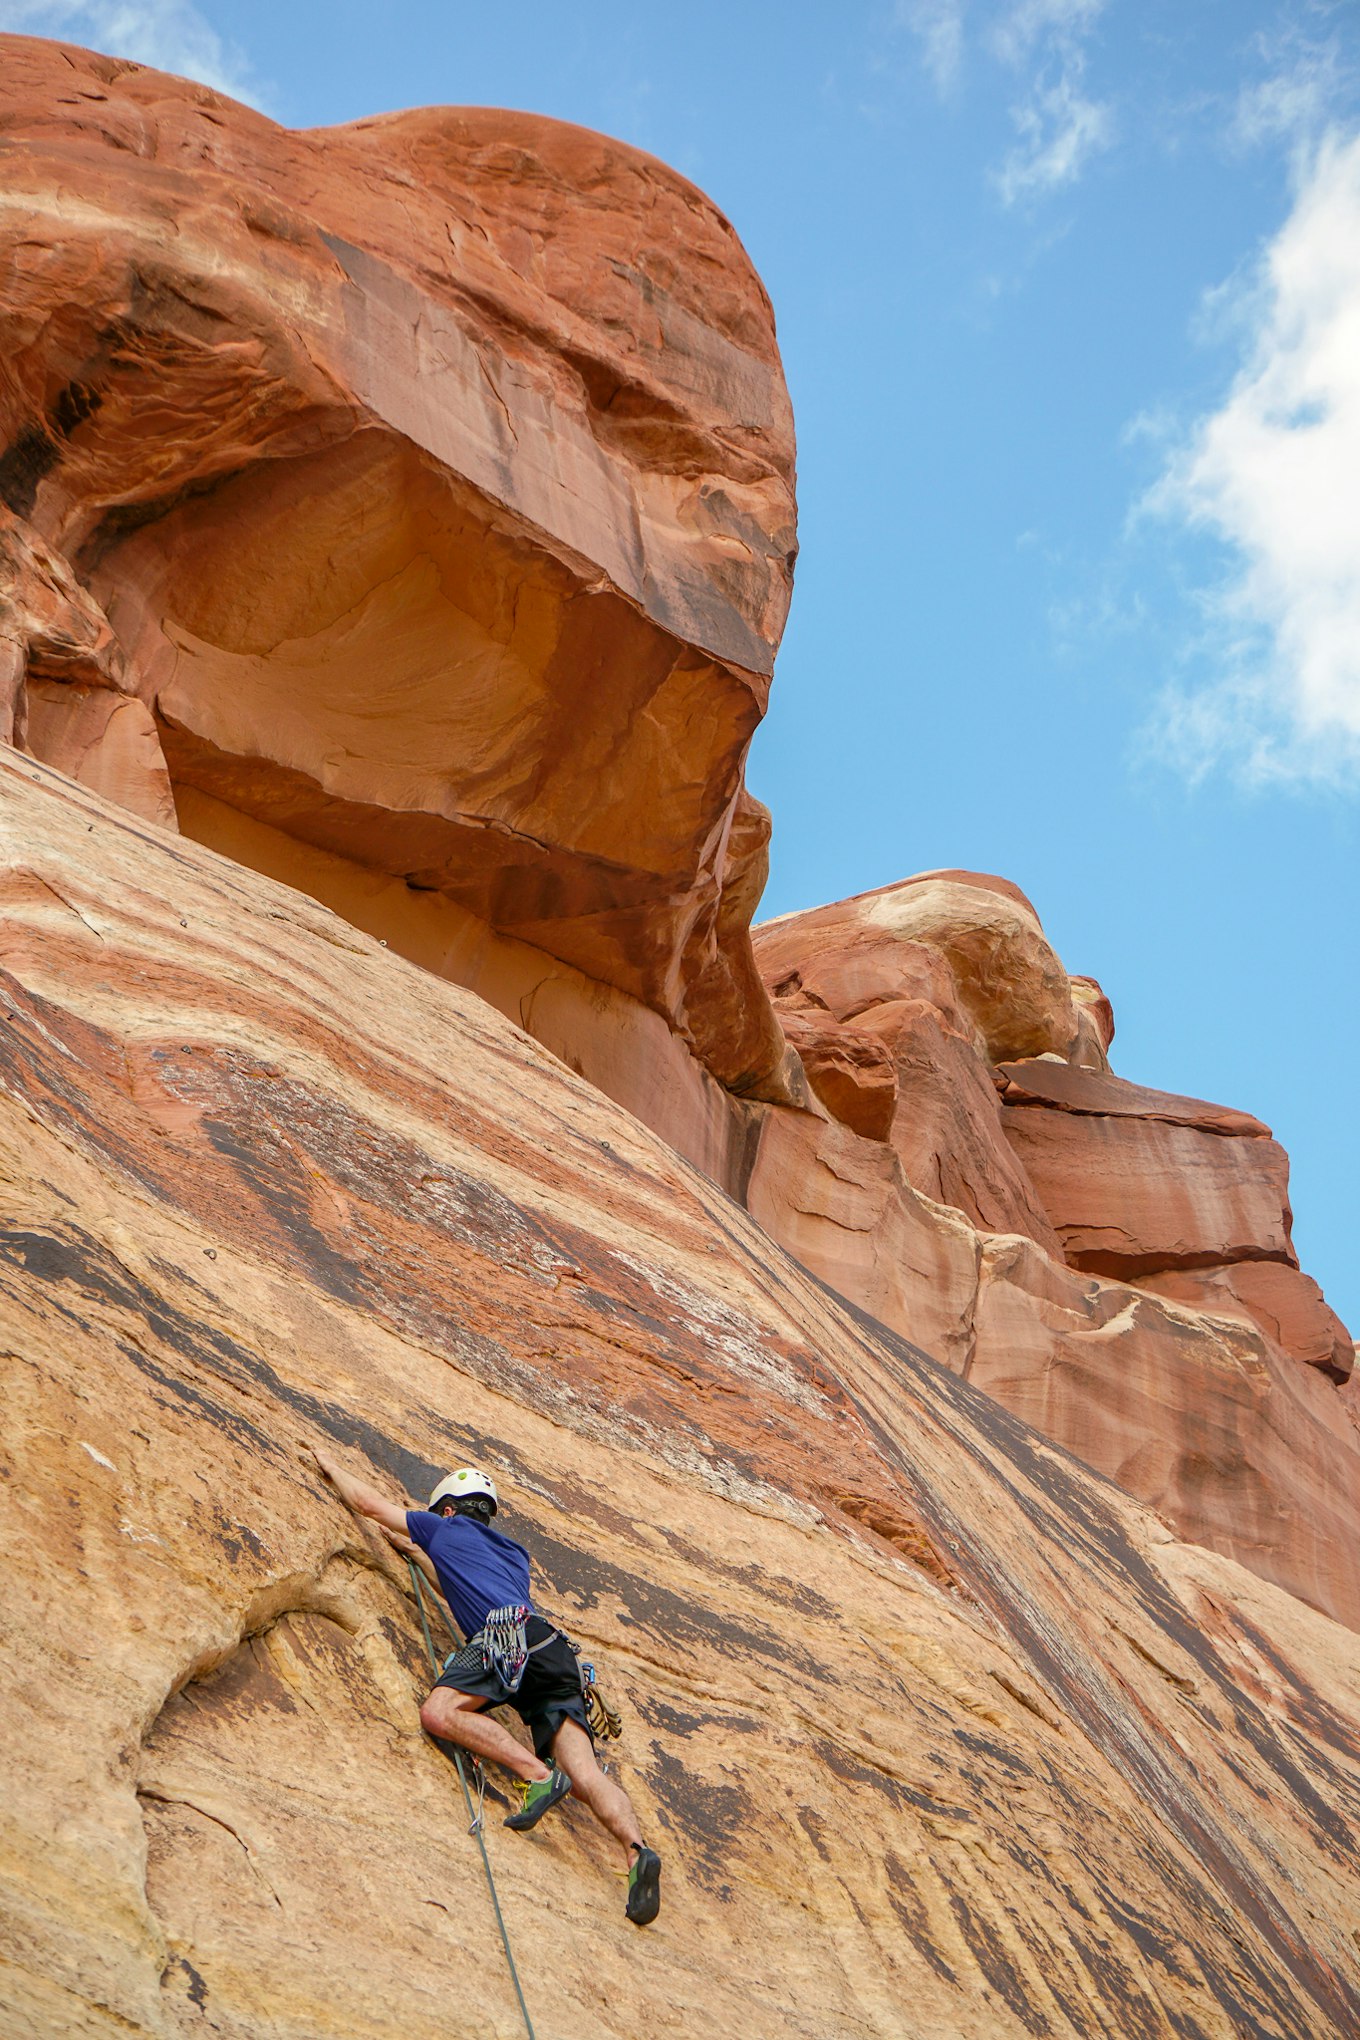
[[1069, 298]]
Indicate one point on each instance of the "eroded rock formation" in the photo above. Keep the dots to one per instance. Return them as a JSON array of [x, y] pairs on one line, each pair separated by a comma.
[[1112, 1263], [404, 513], [432, 478]]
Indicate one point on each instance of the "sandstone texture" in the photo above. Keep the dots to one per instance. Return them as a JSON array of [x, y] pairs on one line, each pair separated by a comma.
[[940, 1732], [1188, 1198], [930, 1433]]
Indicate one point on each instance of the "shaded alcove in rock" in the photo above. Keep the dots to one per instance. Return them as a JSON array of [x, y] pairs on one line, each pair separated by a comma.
[[267, 1789]]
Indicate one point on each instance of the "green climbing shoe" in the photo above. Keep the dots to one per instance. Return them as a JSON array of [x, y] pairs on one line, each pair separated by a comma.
[[644, 1888], [538, 1797]]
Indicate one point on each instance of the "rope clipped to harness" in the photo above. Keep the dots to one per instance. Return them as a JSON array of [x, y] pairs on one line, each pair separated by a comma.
[[475, 1818]]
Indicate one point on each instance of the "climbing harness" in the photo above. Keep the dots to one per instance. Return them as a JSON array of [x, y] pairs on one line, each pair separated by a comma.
[[502, 1646], [475, 1818]]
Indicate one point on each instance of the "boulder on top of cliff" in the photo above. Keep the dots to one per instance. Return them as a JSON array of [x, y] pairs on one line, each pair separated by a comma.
[[435, 476], [1006, 980], [932, 975]]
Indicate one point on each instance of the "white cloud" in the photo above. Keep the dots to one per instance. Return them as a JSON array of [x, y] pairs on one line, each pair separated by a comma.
[[172, 35], [1058, 126], [1274, 475], [939, 26], [1026, 23], [1301, 84]]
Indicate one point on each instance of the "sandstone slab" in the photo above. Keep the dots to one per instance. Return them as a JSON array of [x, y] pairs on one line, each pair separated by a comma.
[[1186, 1399], [939, 1731], [1098, 1094], [1183, 1197], [1279, 1300], [1183, 1401]]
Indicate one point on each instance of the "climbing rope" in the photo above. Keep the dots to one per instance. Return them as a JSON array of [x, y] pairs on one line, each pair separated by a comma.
[[475, 1818]]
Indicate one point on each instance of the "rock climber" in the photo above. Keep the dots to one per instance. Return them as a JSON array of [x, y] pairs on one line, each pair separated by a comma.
[[513, 1656]]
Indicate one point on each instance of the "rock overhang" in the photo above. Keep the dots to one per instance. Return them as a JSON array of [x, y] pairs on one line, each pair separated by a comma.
[[436, 476]]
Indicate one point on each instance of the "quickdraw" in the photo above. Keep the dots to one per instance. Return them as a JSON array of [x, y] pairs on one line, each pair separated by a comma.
[[502, 1645], [505, 1644], [606, 1723]]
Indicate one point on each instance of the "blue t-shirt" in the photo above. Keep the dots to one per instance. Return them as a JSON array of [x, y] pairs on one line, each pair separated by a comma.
[[479, 1568]]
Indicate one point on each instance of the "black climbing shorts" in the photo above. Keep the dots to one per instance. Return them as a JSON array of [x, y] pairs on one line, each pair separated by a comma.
[[549, 1693]]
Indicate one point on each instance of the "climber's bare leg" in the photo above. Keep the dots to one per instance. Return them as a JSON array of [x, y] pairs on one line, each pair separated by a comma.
[[457, 1718], [610, 1804]]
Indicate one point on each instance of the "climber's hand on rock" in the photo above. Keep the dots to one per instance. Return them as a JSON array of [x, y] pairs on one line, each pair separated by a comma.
[[359, 1496]]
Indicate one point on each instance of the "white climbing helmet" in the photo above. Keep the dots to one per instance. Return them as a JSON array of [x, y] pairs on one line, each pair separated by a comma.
[[461, 1486]]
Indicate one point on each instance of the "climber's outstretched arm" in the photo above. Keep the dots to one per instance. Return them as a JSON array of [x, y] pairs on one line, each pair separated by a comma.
[[364, 1500]]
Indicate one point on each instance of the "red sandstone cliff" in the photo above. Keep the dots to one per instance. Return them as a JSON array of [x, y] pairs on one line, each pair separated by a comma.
[[1113, 1263], [404, 513]]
